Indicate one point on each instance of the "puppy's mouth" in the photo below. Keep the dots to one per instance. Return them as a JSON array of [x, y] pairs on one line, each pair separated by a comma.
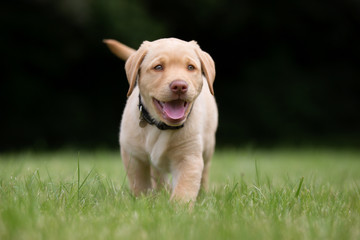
[[173, 112]]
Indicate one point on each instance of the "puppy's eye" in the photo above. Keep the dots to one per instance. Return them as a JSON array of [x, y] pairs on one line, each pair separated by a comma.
[[191, 67], [159, 67]]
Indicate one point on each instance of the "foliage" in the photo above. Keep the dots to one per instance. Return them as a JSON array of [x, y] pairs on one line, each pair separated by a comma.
[[287, 71]]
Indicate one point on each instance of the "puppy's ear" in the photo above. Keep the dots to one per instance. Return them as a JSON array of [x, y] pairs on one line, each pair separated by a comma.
[[132, 65], [120, 50], [207, 65]]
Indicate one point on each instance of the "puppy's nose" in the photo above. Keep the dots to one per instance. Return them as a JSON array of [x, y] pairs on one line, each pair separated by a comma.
[[179, 86]]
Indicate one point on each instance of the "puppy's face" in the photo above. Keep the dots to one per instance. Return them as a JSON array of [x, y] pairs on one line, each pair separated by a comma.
[[170, 78]]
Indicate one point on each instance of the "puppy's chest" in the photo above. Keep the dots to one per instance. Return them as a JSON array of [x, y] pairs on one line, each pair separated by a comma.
[[157, 146]]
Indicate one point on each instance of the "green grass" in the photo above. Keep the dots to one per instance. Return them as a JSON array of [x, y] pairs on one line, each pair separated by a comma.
[[254, 194]]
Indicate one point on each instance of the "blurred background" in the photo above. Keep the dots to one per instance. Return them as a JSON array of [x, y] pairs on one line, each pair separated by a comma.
[[287, 71]]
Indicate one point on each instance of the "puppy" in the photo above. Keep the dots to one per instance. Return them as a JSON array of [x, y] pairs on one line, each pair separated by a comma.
[[170, 118]]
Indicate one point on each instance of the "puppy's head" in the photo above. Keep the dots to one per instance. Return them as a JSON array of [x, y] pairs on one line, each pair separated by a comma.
[[170, 77]]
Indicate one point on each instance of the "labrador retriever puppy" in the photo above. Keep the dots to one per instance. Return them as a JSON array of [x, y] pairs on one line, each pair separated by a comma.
[[170, 118]]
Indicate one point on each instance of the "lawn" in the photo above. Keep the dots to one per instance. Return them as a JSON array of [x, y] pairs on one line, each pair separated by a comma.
[[254, 194]]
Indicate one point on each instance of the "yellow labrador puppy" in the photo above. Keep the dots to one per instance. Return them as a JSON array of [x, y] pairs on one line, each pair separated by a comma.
[[170, 118]]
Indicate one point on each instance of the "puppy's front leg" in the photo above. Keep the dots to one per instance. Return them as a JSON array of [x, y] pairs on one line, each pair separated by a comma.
[[158, 179], [187, 178], [138, 173]]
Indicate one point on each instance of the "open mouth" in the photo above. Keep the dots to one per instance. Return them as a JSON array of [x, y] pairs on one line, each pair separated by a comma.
[[173, 111]]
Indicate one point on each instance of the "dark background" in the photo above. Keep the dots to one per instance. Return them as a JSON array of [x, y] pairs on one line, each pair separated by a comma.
[[287, 71]]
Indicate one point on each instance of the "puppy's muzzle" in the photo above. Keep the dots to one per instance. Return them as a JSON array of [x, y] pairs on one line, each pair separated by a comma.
[[179, 87]]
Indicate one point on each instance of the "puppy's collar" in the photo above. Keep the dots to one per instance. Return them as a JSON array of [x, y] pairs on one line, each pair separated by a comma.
[[146, 118]]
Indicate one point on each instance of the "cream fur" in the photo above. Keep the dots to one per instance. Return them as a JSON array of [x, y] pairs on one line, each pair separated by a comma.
[[148, 153]]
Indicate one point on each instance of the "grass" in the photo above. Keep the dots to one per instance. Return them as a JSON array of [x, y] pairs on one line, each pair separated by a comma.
[[254, 194]]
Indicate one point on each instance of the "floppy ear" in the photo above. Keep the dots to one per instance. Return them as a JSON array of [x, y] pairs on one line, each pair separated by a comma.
[[132, 65], [207, 65]]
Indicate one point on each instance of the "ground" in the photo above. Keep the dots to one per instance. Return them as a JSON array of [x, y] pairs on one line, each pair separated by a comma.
[[254, 194]]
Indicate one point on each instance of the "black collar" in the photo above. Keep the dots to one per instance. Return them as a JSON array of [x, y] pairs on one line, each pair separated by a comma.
[[146, 118]]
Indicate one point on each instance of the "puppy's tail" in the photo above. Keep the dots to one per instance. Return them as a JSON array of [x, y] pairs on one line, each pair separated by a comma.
[[120, 50]]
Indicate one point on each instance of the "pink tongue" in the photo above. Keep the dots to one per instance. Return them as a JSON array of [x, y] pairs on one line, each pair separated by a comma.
[[175, 109]]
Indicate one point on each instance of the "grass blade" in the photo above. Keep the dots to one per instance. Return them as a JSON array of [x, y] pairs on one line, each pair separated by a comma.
[[80, 185], [299, 188], [83, 182], [78, 175], [257, 172]]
